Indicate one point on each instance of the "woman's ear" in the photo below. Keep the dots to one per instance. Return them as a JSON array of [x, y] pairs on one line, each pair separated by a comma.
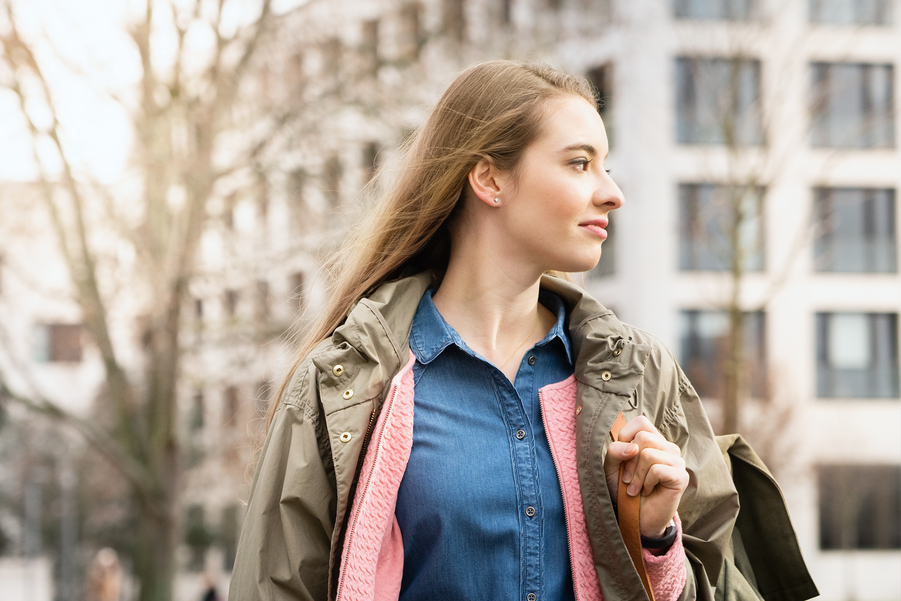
[[485, 181]]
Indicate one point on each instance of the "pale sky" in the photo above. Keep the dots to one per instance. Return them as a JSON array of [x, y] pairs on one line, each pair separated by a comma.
[[90, 35]]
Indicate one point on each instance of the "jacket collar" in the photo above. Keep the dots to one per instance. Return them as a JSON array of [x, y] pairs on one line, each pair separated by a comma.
[[431, 334], [373, 342]]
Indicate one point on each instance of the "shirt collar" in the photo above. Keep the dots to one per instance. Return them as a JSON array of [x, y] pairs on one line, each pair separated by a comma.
[[431, 334]]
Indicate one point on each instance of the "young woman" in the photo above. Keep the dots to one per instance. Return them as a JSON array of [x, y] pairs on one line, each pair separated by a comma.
[[446, 430]]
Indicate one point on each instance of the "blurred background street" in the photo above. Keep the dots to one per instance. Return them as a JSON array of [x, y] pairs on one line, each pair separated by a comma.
[[175, 173]]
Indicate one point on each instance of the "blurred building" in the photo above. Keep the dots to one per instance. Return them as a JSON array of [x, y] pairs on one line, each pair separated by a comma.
[[756, 142]]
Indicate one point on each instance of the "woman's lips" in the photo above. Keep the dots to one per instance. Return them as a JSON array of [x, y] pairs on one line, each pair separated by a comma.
[[596, 227]]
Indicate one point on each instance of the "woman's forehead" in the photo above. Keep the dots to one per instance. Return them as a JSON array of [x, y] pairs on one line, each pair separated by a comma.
[[571, 123]]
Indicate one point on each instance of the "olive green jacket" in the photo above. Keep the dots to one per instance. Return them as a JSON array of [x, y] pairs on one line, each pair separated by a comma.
[[291, 541]]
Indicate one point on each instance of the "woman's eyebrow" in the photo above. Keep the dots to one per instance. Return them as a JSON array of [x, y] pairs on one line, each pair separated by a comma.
[[586, 147]]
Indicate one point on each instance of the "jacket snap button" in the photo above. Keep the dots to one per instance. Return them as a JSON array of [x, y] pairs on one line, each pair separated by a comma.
[[345, 437], [617, 352], [578, 409], [338, 370], [349, 393], [531, 597], [530, 511], [605, 375], [532, 360], [520, 434]]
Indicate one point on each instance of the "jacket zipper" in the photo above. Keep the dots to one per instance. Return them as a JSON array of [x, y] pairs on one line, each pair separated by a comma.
[[365, 445], [569, 543], [353, 522]]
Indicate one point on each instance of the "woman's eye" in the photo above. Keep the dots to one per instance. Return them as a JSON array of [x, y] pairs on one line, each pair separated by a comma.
[[581, 164]]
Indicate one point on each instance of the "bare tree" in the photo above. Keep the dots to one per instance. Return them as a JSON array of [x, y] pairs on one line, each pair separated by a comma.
[[180, 113]]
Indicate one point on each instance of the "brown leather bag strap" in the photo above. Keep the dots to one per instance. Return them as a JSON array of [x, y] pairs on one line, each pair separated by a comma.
[[628, 509]]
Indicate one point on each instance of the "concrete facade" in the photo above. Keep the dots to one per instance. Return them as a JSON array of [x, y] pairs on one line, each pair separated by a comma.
[[366, 73]]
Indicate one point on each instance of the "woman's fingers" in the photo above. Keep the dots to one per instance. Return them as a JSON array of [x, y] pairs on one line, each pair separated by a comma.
[[664, 473], [647, 439], [653, 467], [617, 453], [656, 450]]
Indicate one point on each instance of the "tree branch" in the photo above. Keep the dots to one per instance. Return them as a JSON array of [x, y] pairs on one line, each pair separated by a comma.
[[77, 253]]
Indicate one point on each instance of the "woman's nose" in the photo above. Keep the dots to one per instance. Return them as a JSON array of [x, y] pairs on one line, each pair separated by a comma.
[[608, 193]]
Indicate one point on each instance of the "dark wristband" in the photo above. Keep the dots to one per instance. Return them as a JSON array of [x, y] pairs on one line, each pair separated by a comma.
[[668, 538]]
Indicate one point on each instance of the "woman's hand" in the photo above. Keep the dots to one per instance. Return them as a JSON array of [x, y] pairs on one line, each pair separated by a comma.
[[654, 468]]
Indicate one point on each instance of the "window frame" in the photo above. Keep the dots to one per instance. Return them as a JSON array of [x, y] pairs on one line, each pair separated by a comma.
[[832, 382]]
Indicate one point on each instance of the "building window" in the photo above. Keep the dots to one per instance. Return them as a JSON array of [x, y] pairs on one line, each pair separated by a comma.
[[57, 343], [228, 536], [719, 224], [331, 51], [732, 10], [506, 11], [230, 300], [196, 420], [371, 159], [197, 537], [704, 337], [297, 205], [295, 67], [860, 507], [332, 174], [370, 46], [454, 19], [411, 23], [228, 211], [851, 12], [857, 355], [230, 406], [298, 289], [718, 101], [606, 267], [853, 105], [264, 301], [262, 197], [601, 77], [856, 230]]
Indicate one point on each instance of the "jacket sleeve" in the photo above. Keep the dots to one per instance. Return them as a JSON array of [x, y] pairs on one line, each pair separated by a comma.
[[283, 551], [709, 505]]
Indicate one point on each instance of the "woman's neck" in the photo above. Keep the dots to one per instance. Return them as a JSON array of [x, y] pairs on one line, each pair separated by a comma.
[[494, 307]]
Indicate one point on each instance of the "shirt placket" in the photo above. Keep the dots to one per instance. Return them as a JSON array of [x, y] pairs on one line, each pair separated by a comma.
[[525, 468]]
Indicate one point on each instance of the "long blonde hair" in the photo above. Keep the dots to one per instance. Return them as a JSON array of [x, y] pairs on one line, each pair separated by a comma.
[[492, 110]]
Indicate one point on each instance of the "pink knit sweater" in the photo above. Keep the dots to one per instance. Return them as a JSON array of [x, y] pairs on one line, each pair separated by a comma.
[[373, 555]]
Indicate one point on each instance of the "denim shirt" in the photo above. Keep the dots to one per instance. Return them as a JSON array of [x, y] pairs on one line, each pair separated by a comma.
[[480, 507]]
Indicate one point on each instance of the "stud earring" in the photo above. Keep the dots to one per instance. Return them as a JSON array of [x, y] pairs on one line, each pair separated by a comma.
[[496, 200]]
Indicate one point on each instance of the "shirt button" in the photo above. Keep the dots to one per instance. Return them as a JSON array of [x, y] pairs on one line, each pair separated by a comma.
[[530, 511], [531, 597], [605, 375], [520, 434], [532, 360]]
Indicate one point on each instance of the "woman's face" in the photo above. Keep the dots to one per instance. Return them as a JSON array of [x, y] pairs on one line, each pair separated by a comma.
[[556, 207]]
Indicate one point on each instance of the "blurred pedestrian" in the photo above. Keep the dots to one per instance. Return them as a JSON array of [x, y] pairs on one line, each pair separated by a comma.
[[455, 291], [209, 588], [104, 580]]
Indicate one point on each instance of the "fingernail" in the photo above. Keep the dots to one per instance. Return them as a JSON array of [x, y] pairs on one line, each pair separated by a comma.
[[627, 476], [632, 490]]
